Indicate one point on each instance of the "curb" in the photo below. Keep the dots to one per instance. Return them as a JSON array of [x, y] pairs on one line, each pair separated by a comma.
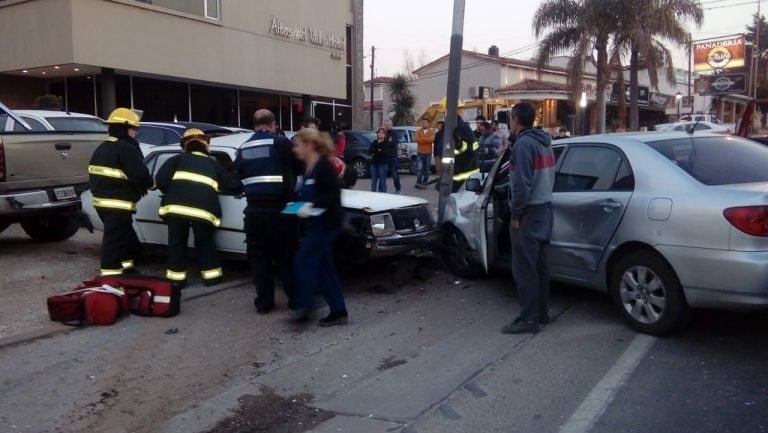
[[59, 329]]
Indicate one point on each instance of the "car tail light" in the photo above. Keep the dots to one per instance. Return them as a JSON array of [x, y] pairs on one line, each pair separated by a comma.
[[752, 220], [2, 162]]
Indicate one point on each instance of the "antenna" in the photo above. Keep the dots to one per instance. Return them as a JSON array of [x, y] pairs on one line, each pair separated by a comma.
[[693, 129]]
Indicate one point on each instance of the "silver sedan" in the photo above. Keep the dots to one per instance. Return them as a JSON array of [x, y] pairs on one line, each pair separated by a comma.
[[664, 222]]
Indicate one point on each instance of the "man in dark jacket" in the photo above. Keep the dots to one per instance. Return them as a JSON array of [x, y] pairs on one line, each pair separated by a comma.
[[391, 148], [267, 168], [532, 177], [118, 180], [191, 183]]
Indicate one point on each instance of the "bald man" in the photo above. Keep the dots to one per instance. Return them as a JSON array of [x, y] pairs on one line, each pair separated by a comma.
[[268, 168]]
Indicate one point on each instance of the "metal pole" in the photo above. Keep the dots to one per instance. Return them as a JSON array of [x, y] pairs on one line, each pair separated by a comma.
[[451, 104], [690, 68], [756, 56], [373, 57]]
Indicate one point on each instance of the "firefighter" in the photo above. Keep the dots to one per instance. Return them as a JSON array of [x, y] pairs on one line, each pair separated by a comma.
[[191, 183], [118, 180], [465, 154]]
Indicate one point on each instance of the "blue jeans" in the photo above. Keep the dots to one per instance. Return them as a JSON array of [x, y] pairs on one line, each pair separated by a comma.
[[378, 177], [392, 163], [423, 161], [314, 271]]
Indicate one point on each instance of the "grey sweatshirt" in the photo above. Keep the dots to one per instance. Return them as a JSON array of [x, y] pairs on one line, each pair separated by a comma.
[[532, 171]]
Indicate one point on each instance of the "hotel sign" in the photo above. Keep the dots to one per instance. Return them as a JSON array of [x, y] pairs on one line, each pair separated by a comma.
[[309, 34], [720, 53]]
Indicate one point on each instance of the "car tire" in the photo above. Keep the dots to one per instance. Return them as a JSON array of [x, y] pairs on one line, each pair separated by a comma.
[[458, 255], [51, 228], [414, 167], [362, 168], [648, 294]]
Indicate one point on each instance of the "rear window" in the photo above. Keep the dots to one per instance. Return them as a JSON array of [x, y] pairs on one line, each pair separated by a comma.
[[717, 160], [77, 124]]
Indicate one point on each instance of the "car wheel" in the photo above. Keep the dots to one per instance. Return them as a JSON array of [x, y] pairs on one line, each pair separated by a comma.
[[362, 168], [459, 255], [647, 293], [51, 228], [414, 167]]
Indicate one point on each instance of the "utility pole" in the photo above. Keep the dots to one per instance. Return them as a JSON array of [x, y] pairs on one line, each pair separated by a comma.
[[373, 57], [451, 106], [756, 53]]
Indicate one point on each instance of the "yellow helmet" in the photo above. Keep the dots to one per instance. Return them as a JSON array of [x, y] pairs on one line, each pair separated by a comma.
[[124, 116], [194, 134]]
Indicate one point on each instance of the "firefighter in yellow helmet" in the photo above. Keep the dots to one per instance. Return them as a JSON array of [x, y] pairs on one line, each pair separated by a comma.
[[118, 180], [191, 183]]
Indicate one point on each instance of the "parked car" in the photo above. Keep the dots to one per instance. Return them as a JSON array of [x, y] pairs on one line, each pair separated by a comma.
[[374, 224], [663, 222], [356, 151], [712, 118], [47, 120], [721, 128], [163, 133], [42, 174], [408, 136]]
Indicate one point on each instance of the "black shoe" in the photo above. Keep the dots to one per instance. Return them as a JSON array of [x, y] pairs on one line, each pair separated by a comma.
[[301, 317], [520, 326], [334, 319], [263, 309], [212, 282], [545, 319]]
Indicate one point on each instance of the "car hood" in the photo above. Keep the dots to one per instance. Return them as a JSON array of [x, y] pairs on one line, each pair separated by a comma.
[[377, 201]]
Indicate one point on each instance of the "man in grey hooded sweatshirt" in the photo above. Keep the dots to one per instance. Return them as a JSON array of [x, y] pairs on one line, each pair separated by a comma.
[[532, 176]]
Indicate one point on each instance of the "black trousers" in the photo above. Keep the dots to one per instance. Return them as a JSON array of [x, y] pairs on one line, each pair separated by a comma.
[[205, 247], [271, 240], [119, 244]]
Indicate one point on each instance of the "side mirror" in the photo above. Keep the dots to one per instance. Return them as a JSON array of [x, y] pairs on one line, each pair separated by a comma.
[[474, 185]]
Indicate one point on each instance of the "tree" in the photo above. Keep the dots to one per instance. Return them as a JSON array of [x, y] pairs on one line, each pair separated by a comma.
[[403, 100], [643, 23], [577, 28]]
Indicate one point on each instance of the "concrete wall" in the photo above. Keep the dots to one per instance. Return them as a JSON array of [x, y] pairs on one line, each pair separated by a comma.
[[35, 33]]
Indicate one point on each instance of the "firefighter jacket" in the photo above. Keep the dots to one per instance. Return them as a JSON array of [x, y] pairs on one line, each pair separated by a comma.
[[267, 168], [191, 183], [118, 175], [465, 153]]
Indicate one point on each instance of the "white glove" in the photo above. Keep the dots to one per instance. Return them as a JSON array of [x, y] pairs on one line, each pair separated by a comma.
[[305, 210]]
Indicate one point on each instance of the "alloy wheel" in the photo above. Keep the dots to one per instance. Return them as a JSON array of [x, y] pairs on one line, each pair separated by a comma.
[[643, 294]]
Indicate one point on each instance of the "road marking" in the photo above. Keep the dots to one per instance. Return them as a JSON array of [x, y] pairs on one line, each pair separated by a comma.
[[595, 404]]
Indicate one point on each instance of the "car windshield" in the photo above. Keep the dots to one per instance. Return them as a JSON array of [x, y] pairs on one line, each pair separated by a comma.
[[77, 124], [370, 136], [717, 160]]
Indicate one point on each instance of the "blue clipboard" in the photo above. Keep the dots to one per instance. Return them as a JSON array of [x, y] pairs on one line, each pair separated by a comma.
[[293, 209]]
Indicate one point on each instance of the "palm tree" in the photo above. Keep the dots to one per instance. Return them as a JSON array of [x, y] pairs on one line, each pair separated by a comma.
[[643, 22], [576, 28], [403, 100]]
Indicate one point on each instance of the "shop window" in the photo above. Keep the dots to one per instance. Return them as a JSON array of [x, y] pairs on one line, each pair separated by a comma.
[[202, 8]]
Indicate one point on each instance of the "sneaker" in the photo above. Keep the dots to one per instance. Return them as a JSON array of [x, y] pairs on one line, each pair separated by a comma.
[[397, 192], [334, 319], [419, 186], [520, 326]]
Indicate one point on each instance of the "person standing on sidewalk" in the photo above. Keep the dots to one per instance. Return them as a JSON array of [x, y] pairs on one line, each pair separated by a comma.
[[267, 168], [392, 144], [320, 224], [424, 139], [378, 151], [119, 179], [532, 177]]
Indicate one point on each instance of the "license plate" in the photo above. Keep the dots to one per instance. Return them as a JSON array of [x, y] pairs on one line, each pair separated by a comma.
[[65, 193]]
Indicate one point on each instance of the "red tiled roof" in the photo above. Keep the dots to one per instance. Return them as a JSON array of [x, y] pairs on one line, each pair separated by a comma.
[[379, 80], [376, 105], [529, 85]]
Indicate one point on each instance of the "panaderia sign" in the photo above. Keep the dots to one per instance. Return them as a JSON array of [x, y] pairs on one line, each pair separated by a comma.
[[719, 53]]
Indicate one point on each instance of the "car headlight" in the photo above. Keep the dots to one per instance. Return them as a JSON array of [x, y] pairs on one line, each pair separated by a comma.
[[382, 224]]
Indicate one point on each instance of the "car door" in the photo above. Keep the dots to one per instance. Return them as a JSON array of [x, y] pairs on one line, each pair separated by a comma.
[[150, 228], [593, 184]]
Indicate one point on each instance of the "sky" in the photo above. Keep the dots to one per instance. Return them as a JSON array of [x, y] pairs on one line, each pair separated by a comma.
[[422, 28]]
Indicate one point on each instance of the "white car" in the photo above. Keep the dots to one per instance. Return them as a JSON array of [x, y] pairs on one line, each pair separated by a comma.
[[47, 120], [374, 224], [720, 128]]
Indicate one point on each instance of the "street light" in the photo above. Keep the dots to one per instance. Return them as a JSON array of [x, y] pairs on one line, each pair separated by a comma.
[[678, 96]]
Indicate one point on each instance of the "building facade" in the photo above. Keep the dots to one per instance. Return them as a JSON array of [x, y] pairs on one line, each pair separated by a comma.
[[189, 60]]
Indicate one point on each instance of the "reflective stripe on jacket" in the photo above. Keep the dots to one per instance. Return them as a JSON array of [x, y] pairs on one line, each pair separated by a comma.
[[117, 174]]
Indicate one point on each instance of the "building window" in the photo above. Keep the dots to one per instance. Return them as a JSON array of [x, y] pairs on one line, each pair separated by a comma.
[[202, 8]]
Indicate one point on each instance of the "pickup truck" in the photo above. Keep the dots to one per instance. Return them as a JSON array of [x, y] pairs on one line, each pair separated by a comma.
[[42, 175]]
